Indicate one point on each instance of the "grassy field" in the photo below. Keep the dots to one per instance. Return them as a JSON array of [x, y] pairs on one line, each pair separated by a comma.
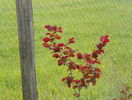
[[86, 20]]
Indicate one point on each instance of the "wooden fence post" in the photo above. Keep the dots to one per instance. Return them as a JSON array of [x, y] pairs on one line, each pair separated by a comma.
[[26, 48]]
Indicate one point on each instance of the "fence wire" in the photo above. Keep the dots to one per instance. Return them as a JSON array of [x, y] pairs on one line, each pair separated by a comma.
[[86, 20]]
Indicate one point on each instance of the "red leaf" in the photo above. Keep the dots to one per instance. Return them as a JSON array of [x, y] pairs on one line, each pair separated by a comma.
[[94, 54], [60, 31], [79, 56], [76, 81], [57, 49], [56, 55], [90, 61], [82, 83], [46, 39], [59, 28], [102, 51], [93, 81], [99, 46], [97, 61], [87, 56], [57, 37], [104, 39], [50, 28], [72, 55], [71, 40], [60, 62], [69, 81], [63, 79], [87, 77], [74, 87], [61, 45], [97, 75], [71, 65], [47, 34], [68, 48], [97, 70], [45, 44], [85, 68]]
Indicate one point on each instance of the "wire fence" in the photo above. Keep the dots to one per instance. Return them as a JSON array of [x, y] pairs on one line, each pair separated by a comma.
[[86, 20]]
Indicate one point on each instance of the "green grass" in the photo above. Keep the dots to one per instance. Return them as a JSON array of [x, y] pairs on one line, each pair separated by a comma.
[[86, 20]]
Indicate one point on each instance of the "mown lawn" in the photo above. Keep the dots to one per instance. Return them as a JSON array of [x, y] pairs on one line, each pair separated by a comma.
[[86, 20]]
